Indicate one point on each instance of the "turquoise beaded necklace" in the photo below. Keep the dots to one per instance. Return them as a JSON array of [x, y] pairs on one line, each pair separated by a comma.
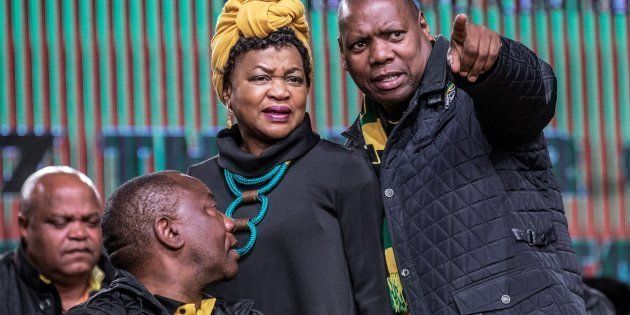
[[271, 178]]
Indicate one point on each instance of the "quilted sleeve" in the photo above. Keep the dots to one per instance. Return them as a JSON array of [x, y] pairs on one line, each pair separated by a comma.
[[360, 214], [516, 99]]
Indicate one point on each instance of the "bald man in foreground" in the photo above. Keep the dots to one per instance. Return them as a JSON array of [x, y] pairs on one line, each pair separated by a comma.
[[58, 262]]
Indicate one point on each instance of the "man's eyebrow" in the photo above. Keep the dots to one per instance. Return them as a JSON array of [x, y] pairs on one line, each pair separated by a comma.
[[391, 24], [54, 216], [351, 39]]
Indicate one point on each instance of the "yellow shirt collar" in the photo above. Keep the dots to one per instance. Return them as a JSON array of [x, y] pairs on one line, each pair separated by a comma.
[[95, 282], [206, 308]]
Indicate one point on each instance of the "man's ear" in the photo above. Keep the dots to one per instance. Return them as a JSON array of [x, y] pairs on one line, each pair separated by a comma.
[[168, 234], [343, 54], [424, 26], [23, 225]]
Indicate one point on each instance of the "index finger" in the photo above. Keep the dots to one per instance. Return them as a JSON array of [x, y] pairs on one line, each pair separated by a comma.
[[459, 28]]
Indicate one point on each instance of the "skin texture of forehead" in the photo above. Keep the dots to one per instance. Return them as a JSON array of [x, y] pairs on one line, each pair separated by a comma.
[[40, 186], [188, 187], [55, 187], [346, 7], [185, 182]]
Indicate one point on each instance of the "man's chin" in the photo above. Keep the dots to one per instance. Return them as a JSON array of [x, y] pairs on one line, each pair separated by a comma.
[[77, 268], [231, 270], [397, 97]]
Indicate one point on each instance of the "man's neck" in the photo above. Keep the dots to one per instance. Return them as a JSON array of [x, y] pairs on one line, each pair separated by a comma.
[[394, 112], [72, 292], [174, 289]]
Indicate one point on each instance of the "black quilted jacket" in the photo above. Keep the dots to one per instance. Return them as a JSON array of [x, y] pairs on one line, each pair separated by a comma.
[[475, 214], [126, 295]]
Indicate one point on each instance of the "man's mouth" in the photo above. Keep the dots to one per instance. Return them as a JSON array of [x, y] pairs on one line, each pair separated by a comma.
[[233, 244], [388, 81], [232, 249], [78, 251]]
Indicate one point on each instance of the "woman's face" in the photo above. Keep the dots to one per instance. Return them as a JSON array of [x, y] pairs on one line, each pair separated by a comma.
[[267, 92]]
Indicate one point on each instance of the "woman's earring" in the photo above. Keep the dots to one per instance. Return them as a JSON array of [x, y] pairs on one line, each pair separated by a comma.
[[229, 118]]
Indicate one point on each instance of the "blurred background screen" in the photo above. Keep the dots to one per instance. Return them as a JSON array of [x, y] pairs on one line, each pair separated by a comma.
[[119, 88]]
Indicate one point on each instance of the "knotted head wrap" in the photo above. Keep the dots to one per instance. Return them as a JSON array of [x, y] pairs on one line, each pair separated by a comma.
[[253, 18]]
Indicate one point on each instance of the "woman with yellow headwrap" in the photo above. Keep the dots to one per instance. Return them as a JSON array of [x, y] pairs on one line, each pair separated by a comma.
[[313, 208]]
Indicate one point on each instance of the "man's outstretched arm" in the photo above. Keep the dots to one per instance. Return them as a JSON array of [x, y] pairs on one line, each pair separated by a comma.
[[514, 91]]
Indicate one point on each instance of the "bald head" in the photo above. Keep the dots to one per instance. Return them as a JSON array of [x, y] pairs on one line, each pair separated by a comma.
[[130, 213], [347, 7], [60, 212], [37, 189]]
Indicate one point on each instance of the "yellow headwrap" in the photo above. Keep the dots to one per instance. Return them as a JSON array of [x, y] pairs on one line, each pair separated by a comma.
[[251, 18]]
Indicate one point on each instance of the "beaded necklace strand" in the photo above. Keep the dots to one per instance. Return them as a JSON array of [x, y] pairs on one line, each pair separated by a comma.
[[271, 178]]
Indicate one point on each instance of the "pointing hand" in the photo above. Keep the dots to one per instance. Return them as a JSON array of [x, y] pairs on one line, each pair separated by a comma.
[[473, 48]]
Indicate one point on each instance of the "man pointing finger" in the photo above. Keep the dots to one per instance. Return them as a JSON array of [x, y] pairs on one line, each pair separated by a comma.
[[473, 48], [454, 131]]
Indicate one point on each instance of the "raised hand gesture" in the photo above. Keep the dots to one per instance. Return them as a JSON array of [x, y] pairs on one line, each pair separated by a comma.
[[473, 48]]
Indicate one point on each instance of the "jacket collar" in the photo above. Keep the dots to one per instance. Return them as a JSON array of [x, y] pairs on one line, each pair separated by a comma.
[[35, 280], [296, 144], [353, 133], [435, 74], [125, 281], [433, 80], [29, 274]]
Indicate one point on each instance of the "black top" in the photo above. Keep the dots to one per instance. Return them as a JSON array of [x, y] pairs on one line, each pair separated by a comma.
[[319, 247]]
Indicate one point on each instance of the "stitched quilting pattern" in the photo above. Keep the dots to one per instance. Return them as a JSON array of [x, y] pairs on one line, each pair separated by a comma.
[[458, 193]]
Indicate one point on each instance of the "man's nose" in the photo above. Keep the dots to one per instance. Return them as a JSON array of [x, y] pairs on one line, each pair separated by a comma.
[[77, 231], [380, 52], [230, 224]]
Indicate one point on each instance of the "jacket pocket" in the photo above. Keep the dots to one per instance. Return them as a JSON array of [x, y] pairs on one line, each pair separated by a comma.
[[502, 292]]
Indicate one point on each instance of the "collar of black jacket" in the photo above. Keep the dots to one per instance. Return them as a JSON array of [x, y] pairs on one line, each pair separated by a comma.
[[32, 277], [433, 82], [435, 74], [295, 145], [169, 304], [29, 274], [125, 281], [107, 268]]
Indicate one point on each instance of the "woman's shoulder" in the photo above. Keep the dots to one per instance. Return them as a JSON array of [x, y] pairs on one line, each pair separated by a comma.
[[341, 155], [197, 170], [351, 167], [333, 147]]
